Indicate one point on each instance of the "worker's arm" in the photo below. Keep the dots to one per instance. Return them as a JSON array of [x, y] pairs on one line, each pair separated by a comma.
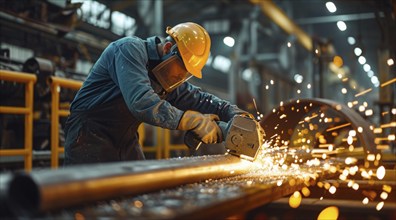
[[190, 97], [132, 78]]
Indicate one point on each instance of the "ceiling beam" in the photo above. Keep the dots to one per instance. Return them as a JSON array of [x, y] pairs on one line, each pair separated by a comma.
[[279, 17], [335, 18]]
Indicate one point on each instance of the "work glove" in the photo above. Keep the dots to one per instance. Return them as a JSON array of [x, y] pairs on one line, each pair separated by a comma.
[[203, 125]]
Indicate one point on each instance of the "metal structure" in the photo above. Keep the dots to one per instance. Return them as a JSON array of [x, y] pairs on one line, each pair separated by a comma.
[[56, 84], [287, 117], [27, 110]]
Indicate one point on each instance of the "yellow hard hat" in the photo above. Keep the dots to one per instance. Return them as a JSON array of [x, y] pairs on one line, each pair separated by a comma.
[[193, 42]]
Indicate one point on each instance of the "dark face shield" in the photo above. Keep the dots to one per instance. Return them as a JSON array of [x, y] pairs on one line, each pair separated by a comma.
[[171, 73]]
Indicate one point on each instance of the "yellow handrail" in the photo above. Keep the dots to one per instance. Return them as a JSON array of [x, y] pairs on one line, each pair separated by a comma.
[[29, 79], [56, 84]]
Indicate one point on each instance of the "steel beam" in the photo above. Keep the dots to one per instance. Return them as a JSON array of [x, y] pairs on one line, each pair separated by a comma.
[[280, 18]]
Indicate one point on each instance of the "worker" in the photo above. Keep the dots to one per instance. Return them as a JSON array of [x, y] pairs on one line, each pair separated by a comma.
[[136, 80]]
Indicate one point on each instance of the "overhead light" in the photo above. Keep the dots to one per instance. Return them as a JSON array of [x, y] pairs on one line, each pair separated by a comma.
[[390, 62], [229, 41], [351, 40], [341, 25], [247, 74], [366, 67], [374, 80], [221, 63], [331, 7], [370, 73], [357, 51], [298, 78], [362, 60]]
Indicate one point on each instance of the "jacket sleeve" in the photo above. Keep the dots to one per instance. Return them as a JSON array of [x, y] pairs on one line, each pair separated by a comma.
[[190, 97], [130, 60]]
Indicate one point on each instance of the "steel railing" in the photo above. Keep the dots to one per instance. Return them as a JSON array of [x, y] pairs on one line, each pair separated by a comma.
[[56, 84], [28, 79]]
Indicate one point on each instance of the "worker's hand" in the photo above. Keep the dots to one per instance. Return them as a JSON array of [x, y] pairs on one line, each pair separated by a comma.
[[203, 125]]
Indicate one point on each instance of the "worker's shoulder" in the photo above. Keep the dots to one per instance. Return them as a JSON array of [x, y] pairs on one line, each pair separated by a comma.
[[129, 41]]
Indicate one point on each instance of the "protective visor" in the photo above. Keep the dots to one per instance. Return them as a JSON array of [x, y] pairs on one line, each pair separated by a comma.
[[171, 73]]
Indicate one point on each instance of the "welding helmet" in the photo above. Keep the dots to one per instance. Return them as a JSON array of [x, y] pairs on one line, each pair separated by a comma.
[[171, 72], [193, 44]]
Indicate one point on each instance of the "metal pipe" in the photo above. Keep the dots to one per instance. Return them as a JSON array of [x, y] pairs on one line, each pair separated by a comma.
[[52, 189]]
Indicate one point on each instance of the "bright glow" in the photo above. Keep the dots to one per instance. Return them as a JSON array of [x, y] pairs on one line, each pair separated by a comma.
[[344, 90], [331, 7], [289, 44], [295, 199], [390, 62], [381, 172], [298, 78], [371, 157], [305, 191], [384, 195], [247, 74], [370, 73], [379, 206], [351, 40], [229, 41], [221, 63], [387, 188], [329, 213], [366, 67], [374, 80], [358, 51], [365, 201], [341, 25], [350, 160], [337, 60], [308, 86], [350, 140], [362, 60], [332, 189], [122, 24], [362, 108]]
